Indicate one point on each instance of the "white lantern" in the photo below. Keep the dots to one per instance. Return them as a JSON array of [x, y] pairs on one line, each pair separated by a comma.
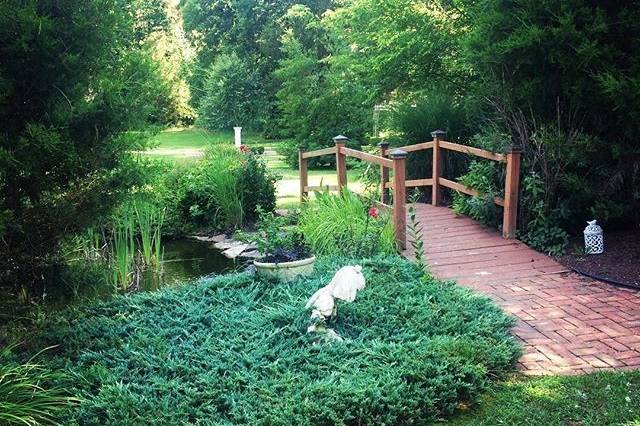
[[593, 238]]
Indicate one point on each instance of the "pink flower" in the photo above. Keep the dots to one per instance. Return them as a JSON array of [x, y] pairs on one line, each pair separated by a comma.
[[245, 149], [373, 212]]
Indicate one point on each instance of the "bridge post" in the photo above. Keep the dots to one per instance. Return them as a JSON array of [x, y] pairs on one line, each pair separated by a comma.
[[399, 158], [511, 190], [384, 173], [304, 177], [341, 160], [436, 193]]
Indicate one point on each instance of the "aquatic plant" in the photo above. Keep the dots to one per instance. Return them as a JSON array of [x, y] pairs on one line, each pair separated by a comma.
[[149, 225]]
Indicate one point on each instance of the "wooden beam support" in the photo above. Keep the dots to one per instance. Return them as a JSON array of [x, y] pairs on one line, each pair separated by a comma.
[[436, 194], [511, 190], [341, 160], [302, 165], [399, 197]]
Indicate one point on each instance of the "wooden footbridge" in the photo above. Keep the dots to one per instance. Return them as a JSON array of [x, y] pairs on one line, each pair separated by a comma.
[[568, 324], [393, 177]]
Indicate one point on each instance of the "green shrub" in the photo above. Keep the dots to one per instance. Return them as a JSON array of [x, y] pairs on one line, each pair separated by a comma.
[[341, 224], [77, 93], [541, 231], [234, 350], [483, 176], [257, 187], [417, 117], [319, 97], [27, 396], [221, 191]]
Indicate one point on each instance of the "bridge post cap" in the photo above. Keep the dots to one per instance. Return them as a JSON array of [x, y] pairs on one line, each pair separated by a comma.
[[438, 134], [383, 144], [513, 149], [398, 154], [340, 139]]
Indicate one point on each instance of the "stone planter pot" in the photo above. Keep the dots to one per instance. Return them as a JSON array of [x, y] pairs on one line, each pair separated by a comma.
[[285, 271]]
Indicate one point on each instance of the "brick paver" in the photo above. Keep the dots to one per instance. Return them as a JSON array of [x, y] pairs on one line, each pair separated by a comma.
[[568, 324]]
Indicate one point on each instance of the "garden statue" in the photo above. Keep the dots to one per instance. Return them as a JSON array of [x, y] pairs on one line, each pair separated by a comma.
[[344, 286]]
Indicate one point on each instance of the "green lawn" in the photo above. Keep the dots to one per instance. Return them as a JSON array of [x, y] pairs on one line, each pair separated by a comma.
[[185, 145], [591, 400]]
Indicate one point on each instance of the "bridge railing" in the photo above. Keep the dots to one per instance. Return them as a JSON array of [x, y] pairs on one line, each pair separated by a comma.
[[394, 160]]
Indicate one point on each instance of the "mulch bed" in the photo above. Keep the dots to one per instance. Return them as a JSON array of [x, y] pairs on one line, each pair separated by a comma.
[[619, 264]]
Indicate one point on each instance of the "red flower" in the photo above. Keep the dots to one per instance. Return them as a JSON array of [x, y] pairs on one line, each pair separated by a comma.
[[373, 212], [245, 149]]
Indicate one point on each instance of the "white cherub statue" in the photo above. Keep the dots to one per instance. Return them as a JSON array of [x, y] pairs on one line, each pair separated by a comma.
[[344, 286]]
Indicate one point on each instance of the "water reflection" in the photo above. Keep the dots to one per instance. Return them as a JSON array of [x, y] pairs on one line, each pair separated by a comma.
[[186, 260]]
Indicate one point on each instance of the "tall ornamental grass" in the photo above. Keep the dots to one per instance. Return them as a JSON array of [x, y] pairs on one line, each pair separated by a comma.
[[220, 172], [341, 225], [123, 249], [26, 394]]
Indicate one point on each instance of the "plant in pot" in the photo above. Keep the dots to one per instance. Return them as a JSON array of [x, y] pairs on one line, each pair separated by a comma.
[[285, 256]]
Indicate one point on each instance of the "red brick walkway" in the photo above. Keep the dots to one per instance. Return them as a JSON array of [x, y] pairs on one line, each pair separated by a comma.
[[568, 324]]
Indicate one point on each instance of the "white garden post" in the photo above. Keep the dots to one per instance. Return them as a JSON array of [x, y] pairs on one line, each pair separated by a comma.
[[238, 136]]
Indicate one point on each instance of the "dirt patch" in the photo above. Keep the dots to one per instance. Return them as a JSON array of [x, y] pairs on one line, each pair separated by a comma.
[[620, 262]]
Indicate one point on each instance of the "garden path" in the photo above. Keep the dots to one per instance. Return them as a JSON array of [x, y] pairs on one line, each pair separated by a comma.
[[568, 324]]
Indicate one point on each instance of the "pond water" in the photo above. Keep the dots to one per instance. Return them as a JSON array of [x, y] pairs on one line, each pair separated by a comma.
[[187, 260]]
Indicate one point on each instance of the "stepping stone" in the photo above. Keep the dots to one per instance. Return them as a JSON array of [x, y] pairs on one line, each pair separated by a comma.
[[251, 254], [228, 244], [235, 251], [209, 239]]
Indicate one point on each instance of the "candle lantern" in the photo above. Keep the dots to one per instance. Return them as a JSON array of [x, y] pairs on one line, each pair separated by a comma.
[[593, 238]]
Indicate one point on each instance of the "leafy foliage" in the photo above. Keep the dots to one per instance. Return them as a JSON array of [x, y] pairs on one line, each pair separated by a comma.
[[233, 95], [320, 95], [235, 350], [341, 224], [276, 239], [77, 92], [414, 229]]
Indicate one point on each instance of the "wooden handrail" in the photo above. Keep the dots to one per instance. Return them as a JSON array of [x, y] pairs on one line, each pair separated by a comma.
[[412, 183], [469, 191], [319, 152], [417, 147], [473, 151], [384, 162]]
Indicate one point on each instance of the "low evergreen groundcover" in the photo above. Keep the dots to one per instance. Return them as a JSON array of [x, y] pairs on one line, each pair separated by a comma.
[[234, 350]]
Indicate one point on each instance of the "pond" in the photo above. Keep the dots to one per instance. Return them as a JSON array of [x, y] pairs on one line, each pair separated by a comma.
[[186, 260]]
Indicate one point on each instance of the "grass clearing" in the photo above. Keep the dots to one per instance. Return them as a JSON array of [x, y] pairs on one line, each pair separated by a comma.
[[186, 145], [597, 399]]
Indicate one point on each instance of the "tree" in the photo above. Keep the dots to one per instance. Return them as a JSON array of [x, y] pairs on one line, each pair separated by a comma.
[[75, 86], [233, 95]]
